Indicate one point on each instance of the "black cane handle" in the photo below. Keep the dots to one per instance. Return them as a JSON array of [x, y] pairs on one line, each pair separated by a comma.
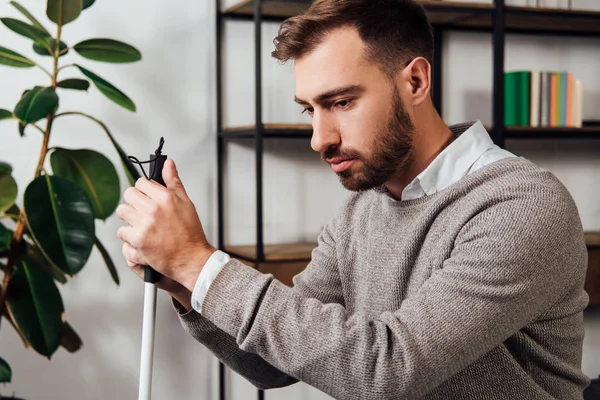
[[157, 161]]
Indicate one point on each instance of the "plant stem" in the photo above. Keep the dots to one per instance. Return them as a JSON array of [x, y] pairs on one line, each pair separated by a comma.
[[20, 227], [65, 66], [38, 128], [44, 69]]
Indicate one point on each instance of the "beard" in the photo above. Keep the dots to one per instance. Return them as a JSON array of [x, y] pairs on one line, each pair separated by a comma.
[[393, 144]]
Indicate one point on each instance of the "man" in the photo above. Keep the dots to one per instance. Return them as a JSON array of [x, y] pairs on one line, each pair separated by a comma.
[[455, 270]]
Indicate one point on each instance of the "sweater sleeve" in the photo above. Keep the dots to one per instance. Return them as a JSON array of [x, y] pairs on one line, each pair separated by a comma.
[[511, 262], [319, 280]]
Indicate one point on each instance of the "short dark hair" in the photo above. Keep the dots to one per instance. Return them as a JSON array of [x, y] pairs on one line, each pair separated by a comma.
[[394, 31]]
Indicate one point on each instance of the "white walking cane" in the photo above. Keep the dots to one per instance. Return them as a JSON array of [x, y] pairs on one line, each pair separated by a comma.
[[151, 277]]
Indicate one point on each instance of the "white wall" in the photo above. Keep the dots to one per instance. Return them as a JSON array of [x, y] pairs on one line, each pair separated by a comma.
[[173, 87]]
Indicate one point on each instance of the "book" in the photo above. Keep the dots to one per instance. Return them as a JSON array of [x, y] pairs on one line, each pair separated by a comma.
[[535, 106], [542, 99], [578, 104], [562, 107], [569, 113], [553, 96], [545, 99]]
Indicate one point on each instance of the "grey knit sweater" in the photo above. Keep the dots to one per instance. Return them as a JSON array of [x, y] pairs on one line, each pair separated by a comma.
[[475, 292]]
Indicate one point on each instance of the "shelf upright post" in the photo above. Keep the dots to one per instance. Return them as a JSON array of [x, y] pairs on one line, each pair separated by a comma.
[[498, 73], [438, 40], [260, 250], [219, 26], [260, 253]]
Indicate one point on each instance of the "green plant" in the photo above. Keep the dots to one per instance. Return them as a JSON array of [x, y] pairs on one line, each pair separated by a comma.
[[51, 235]]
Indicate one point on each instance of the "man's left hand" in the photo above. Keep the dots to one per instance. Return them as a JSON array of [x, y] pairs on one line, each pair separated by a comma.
[[164, 230]]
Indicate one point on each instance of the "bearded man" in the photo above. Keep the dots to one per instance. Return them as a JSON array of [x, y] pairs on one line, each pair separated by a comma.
[[455, 270]]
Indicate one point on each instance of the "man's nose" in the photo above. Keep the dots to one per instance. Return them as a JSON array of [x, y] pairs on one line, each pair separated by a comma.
[[325, 133]]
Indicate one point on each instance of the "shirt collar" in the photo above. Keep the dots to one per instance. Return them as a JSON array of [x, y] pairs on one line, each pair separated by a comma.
[[453, 163]]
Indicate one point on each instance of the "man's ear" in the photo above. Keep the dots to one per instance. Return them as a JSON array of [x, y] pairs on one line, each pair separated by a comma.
[[416, 79]]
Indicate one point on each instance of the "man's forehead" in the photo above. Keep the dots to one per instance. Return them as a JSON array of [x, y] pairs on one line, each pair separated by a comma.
[[337, 62]]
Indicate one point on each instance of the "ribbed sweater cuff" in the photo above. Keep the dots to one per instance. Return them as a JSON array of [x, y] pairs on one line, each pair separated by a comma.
[[190, 318], [233, 296]]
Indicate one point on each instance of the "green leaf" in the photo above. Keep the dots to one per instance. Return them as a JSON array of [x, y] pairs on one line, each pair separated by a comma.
[[130, 171], [109, 262], [43, 50], [36, 104], [5, 114], [8, 187], [108, 89], [76, 84], [24, 29], [5, 238], [70, 339], [107, 50], [13, 210], [61, 12], [5, 371], [61, 221], [22, 129], [30, 17], [35, 302], [35, 258], [12, 59], [88, 3], [92, 172]]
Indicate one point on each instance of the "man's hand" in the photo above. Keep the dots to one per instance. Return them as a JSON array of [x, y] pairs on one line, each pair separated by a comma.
[[175, 289], [164, 230]]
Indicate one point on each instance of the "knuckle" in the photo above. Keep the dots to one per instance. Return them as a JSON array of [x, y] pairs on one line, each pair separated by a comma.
[[153, 209], [169, 199]]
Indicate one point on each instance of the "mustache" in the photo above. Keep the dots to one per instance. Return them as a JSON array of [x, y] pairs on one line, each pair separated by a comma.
[[337, 152]]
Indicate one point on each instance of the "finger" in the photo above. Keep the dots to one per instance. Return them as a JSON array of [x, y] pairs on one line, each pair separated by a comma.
[[171, 177], [137, 269], [138, 199], [132, 256], [127, 213], [151, 189], [127, 234]]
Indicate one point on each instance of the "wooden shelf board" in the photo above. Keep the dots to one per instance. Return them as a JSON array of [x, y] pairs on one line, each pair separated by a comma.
[[438, 12], [461, 15], [526, 132], [552, 20], [299, 127], [592, 239], [276, 252], [280, 9]]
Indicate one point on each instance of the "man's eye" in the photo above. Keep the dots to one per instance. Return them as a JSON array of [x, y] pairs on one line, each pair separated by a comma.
[[307, 110], [343, 103]]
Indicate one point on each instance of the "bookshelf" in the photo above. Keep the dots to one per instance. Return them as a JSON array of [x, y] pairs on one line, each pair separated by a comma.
[[495, 18]]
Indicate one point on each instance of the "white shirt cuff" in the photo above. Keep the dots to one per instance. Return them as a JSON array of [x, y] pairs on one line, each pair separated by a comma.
[[211, 269]]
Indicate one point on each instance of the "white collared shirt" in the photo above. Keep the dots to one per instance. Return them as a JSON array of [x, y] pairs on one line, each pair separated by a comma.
[[471, 150]]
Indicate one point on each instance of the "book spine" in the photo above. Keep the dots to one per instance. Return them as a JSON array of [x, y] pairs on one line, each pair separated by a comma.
[[511, 88], [534, 119], [525, 99], [552, 99], [563, 99], [578, 106], [545, 100], [570, 100]]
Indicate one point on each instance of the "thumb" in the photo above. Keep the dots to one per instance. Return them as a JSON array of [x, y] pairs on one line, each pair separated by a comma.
[[171, 176]]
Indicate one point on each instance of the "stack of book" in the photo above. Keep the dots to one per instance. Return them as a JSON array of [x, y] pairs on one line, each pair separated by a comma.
[[542, 99]]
